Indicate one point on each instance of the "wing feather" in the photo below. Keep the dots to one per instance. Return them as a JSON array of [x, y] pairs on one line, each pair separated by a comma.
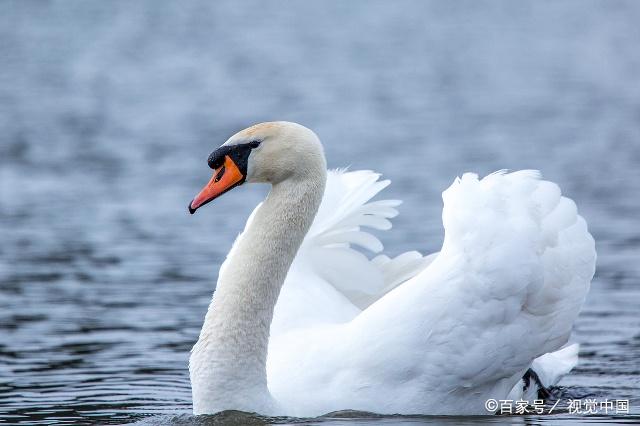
[[514, 269], [331, 265], [446, 331]]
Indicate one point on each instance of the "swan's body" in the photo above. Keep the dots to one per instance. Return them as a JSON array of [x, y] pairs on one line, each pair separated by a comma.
[[303, 324]]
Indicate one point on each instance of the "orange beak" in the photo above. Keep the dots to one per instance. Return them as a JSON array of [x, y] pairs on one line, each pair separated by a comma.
[[224, 178]]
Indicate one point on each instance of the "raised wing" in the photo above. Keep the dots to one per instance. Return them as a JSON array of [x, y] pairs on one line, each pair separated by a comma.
[[332, 279], [514, 269]]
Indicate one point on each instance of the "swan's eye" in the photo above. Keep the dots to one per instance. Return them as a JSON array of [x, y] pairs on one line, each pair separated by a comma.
[[254, 144]]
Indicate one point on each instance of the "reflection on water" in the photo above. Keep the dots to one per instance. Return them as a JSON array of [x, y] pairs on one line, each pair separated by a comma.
[[108, 111]]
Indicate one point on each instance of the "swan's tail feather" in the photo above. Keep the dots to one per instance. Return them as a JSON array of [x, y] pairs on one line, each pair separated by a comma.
[[545, 372], [551, 367]]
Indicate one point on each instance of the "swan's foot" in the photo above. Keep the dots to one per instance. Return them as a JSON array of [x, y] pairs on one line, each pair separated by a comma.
[[529, 376]]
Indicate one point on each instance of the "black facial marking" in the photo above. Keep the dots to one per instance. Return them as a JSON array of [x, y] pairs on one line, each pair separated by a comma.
[[239, 153]]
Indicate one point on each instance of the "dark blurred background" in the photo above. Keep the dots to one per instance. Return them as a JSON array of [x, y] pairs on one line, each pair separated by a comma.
[[108, 110]]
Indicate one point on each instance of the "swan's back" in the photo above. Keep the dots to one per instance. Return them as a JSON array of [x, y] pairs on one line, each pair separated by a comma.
[[513, 272]]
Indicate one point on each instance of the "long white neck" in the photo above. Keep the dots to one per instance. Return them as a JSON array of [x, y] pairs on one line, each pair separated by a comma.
[[228, 363]]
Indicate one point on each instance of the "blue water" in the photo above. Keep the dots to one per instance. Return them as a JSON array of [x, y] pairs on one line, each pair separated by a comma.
[[108, 111]]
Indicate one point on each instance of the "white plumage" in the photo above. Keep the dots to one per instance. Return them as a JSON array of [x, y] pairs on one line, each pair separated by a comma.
[[513, 271], [439, 334]]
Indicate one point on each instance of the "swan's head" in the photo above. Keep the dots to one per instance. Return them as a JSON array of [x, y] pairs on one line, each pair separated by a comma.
[[267, 152]]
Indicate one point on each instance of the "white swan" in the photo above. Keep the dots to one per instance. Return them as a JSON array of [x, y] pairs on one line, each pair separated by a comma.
[[302, 323]]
